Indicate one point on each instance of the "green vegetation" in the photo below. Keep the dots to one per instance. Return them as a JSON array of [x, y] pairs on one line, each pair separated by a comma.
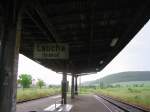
[[25, 80], [40, 83], [29, 92], [134, 93], [88, 89], [121, 77], [34, 93]]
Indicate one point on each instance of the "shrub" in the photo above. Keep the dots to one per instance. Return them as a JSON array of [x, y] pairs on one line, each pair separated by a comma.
[[25, 80]]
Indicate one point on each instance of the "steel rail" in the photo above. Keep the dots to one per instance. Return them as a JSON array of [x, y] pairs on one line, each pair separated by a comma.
[[122, 105]]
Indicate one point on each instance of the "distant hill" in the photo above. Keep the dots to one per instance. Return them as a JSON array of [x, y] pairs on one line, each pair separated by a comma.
[[121, 77]]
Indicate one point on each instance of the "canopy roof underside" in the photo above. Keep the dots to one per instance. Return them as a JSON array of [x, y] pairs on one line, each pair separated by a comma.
[[95, 30]]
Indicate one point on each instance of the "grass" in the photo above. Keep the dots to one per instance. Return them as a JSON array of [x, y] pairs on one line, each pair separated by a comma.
[[86, 90], [137, 96], [134, 95], [34, 93]]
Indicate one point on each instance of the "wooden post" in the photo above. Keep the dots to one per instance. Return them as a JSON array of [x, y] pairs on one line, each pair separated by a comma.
[[9, 52]]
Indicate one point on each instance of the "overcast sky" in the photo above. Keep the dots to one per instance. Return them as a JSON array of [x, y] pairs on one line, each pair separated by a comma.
[[134, 57]]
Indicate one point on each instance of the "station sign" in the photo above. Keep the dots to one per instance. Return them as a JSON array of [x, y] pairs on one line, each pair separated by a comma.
[[51, 51]]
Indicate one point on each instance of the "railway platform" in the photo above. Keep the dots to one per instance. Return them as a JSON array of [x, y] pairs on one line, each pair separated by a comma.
[[89, 103], [81, 103]]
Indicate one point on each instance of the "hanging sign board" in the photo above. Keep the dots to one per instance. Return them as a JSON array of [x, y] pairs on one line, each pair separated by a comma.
[[51, 51]]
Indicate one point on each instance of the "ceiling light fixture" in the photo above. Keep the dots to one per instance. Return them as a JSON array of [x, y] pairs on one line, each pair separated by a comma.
[[101, 62], [114, 42]]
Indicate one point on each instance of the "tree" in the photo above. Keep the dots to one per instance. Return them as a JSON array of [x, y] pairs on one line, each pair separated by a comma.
[[40, 83], [25, 80]]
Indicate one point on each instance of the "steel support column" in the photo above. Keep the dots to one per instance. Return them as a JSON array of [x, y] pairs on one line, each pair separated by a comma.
[[72, 87], [64, 88], [76, 85], [9, 52]]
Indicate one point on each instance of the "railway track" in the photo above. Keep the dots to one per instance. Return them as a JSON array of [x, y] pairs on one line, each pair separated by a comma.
[[125, 107]]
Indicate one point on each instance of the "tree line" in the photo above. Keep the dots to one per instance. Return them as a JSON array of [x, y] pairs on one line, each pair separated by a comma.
[[25, 80]]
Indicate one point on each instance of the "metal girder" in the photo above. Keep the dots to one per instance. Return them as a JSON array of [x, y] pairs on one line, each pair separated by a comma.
[[40, 25], [91, 24], [76, 85], [72, 87], [64, 88], [45, 20]]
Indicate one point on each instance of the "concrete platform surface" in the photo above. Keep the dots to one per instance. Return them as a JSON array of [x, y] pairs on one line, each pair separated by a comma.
[[83, 103], [90, 103], [37, 105]]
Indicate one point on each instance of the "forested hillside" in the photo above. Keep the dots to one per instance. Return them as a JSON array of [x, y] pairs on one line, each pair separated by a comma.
[[122, 77]]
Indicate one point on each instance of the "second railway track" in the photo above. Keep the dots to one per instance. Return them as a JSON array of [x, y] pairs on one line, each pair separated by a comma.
[[122, 105]]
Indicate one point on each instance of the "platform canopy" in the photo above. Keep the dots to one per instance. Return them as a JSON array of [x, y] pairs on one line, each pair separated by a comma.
[[94, 31]]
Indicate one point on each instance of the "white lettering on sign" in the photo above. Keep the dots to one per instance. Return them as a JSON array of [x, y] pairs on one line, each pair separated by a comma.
[[51, 51]]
